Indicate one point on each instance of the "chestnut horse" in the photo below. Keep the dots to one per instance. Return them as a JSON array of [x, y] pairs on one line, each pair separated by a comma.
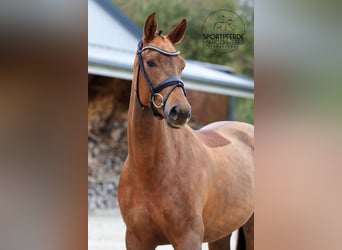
[[180, 186]]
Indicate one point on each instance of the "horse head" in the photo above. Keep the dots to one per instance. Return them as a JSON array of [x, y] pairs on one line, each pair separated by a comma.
[[159, 73]]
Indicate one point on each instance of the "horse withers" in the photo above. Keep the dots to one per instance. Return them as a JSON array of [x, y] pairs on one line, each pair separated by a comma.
[[179, 186]]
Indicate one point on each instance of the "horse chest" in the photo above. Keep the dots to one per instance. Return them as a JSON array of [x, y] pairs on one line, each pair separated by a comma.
[[143, 205], [159, 198], [149, 214]]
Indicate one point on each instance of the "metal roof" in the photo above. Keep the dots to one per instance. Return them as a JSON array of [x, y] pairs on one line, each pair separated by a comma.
[[112, 41]]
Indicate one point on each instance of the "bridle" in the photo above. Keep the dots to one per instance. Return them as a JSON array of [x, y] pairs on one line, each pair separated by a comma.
[[173, 81]]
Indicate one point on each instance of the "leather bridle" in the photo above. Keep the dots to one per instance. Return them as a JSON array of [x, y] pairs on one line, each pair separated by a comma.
[[155, 91]]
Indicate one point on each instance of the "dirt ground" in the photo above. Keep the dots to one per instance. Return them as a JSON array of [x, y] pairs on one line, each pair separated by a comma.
[[106, 231]]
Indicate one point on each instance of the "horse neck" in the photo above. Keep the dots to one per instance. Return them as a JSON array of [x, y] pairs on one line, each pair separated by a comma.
[[149, 140]]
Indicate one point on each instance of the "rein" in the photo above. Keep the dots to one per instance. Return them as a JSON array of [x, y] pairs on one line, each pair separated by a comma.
[[173, 81]]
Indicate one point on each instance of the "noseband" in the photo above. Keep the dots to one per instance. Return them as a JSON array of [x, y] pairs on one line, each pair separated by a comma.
[[173, 81]]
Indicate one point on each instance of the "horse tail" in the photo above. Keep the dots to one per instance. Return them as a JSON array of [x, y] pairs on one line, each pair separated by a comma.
[[241, 240]]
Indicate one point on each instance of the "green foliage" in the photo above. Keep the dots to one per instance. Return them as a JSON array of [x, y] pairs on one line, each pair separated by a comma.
[[170, 13], [244, 110]]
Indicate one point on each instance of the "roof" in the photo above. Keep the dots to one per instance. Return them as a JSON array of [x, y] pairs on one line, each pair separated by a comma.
[[112, 41]]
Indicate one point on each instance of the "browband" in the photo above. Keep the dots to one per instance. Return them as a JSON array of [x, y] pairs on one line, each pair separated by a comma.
[[159, 50]]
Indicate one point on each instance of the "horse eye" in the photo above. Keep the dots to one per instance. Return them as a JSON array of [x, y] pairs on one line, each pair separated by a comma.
[[151, 63]]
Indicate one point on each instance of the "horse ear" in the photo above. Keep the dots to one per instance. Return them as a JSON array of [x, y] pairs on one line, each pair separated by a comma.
[[150, 27], [177, 34]]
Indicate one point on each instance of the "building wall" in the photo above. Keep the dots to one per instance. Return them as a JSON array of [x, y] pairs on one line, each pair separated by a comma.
[[207, 108]]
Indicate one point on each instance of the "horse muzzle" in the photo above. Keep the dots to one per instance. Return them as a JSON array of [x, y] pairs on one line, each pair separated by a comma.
[[178, 116]]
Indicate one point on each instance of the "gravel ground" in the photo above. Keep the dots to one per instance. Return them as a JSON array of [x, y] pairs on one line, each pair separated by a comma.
[[106, 231]]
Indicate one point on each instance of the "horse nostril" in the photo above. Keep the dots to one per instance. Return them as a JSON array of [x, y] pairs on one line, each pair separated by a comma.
[[173, 114], [189, 116]]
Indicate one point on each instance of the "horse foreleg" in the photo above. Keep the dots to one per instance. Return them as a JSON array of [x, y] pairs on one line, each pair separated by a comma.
[[191, 240], [221, 244], [188, 236], [133, 242]]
